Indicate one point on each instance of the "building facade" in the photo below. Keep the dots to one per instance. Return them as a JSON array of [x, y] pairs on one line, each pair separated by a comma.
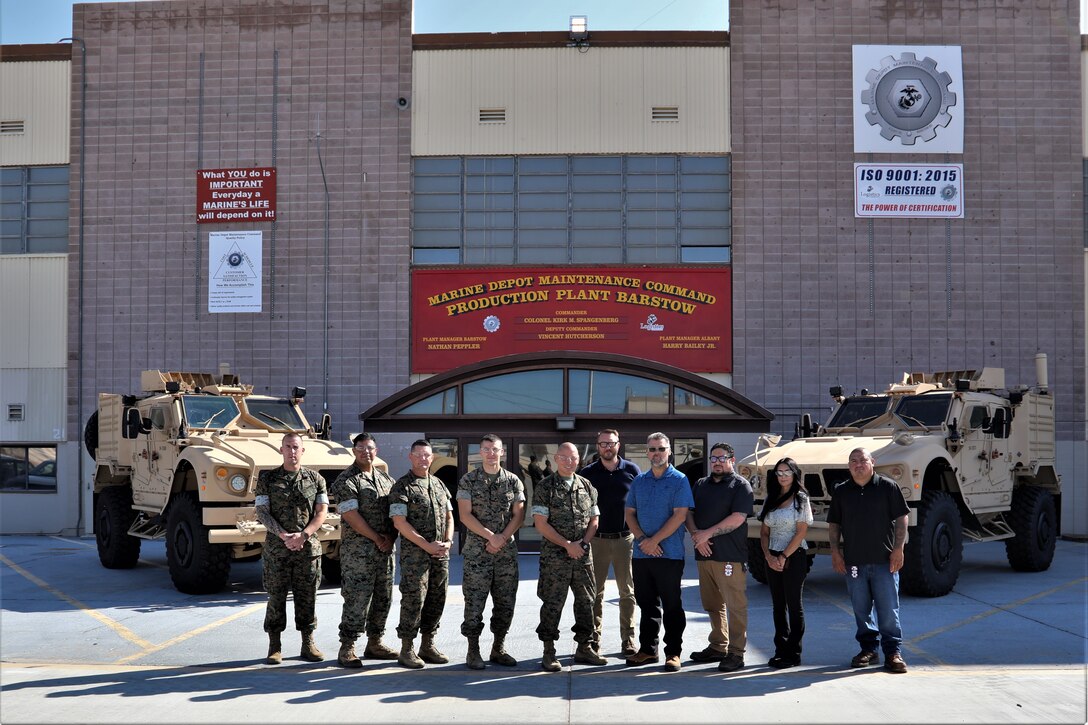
[[726, 155]]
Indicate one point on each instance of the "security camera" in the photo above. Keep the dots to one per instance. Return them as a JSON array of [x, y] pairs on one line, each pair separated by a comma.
[[402, 103]]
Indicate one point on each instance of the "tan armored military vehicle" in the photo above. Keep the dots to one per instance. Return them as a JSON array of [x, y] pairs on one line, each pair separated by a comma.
[[181, 462], [974, 459]]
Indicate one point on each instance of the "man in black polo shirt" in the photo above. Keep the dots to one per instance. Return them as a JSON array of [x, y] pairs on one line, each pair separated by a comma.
[[723, 502], [612, 476], [869, 512]]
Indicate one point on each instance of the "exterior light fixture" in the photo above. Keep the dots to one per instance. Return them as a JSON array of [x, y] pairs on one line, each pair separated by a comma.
[[579, 29]]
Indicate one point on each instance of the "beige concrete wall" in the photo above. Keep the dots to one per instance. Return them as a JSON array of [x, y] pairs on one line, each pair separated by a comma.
[[36, 93], [561, 100]]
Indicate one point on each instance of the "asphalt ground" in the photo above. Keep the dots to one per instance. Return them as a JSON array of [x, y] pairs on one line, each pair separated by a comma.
[[84, 644]]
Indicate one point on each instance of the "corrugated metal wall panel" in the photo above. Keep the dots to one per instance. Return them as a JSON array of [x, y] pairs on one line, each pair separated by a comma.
[[37, 93], [561, 101], [34, 311], [42, 393]]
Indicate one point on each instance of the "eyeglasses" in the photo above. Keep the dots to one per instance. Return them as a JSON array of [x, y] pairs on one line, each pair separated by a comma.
[[490, 451], [783, 474], [719, 459], [366, 448], [662, 449], [608, 444]]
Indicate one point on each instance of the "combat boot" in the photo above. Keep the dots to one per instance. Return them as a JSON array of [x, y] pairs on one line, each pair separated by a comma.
[[347, 656], [473, 658], [275, 651], [376, 650], [429, 653], [408, 656], [310, 652], [499, 655], [549, 663], [586, 656]]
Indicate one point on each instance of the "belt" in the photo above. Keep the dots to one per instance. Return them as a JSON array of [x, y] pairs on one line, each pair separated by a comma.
[[617, 535]]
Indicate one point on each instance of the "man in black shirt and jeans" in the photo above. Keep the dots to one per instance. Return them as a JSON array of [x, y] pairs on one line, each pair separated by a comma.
[[723, 503], [869, 513], [612, 476]]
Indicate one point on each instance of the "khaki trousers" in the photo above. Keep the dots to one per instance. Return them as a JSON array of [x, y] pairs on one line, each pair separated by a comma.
[[725, 600], [617, 554]]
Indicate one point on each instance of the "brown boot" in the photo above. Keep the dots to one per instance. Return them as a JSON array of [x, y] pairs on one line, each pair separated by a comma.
[[429, 653], [376, 650], [473, 659], [549, 663], [347, 656], [408, 657], [275, 653], [499, 655], [309, 651], [586, 656]]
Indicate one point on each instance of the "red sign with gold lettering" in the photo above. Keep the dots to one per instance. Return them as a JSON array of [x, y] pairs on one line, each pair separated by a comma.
[[680, 316]]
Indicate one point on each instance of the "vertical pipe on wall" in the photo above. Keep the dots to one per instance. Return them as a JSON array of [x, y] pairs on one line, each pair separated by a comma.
[[199, 165], [325, 295], [79, 326], [275, 142]]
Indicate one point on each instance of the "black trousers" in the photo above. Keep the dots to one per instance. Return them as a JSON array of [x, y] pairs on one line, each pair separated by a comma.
[[657, 594], [789, 611]]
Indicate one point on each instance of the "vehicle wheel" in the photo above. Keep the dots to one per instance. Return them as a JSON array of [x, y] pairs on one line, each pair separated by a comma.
[[196, 566], [934, 549], [1032, 518], [90, 434], [330, 570], [113, 515], [757, 565]]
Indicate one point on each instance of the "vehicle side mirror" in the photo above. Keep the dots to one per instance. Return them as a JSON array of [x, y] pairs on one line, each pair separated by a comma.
[[326, 427], [998, 426], [133, 424]]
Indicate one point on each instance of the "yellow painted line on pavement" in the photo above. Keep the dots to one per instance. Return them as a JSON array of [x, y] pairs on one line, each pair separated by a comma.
[[192, 633], [116, 626], [998, 610]]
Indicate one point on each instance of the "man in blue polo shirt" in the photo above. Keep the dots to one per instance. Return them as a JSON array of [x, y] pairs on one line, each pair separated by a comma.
[[657, 507]]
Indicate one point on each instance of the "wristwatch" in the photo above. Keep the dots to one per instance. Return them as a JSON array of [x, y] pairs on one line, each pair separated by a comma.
[[585, 545]]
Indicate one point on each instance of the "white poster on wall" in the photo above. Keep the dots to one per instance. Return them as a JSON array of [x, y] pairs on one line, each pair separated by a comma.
[[908, 99], [234, 271]]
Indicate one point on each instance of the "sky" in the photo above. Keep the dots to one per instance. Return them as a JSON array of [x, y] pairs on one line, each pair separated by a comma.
[[47, 21]]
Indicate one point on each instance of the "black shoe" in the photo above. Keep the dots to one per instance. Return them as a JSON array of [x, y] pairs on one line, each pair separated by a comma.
[[781, 663], [731, 663], [708, 655]]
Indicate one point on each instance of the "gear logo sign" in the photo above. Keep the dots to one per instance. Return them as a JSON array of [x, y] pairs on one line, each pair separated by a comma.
[[908, 98]]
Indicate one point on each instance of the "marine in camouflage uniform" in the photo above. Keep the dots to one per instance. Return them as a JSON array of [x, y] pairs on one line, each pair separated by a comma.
[[419, 505], [565, 512], [492, 505], [366, 553], [291, 501]]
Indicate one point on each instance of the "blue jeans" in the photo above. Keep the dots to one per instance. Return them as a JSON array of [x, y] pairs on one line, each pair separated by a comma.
[[875, 591]]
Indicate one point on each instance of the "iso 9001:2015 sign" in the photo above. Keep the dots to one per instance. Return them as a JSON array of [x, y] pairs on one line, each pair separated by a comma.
[[908, 190]]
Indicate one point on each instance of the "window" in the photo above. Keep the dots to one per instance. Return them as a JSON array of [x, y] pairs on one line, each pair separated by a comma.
[[596, 391], [563, 209], [28, 469], [532, 391], [441, 403], [33, 209]]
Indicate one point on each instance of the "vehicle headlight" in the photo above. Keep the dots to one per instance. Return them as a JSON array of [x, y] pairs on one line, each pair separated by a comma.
[[894, 472], [238, 482], [745, 471]]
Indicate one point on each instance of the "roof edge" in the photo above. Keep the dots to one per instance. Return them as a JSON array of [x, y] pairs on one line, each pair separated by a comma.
[[35, 51], [561, 39]]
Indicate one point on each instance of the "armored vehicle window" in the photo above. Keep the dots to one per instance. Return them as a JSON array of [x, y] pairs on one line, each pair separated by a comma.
[[158, 417], [276, 414], [209, 411], [929, 411], [978, 417], [856, 412]]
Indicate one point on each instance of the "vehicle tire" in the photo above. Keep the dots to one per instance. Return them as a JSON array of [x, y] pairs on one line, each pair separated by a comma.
[[113, 515], [90, 435], [1033, 519], [934, 551], [757, 565], [196, 566], [330, 570]]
